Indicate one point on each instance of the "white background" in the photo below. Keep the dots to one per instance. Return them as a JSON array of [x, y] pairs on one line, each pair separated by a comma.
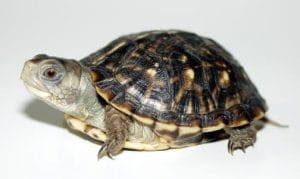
[[263, 35]]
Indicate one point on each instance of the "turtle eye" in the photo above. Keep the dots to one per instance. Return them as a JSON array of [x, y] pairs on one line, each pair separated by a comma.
[[52, 74]]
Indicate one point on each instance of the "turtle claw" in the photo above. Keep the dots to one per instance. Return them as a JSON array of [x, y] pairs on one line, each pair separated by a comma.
[[110, 148], [243, 148], [230, 147], [104, 152], [238, 144], [241, 139]]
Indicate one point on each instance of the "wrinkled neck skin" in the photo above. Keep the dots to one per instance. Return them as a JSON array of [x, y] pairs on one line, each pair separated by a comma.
[[87, 107]]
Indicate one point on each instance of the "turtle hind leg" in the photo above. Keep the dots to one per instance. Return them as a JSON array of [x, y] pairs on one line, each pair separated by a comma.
[[117, 131], [241, 138]]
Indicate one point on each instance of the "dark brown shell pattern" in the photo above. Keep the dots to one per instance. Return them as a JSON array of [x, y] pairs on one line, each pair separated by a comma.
[[175, 78]]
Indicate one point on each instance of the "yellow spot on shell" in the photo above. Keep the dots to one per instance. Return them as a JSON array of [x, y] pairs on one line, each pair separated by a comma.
[[151, 72], [206, 64], [162, 126], [205, 50], [183, 58], [219, 126], [116, 48], [188, 130], [179, 95], [210, 104], [135, 54], [188, 78], [224, 79], [259, 114], [189, 73], [189, 108], [232, 100], [95, 76], [202, 107], [110, 66], [241, 122]]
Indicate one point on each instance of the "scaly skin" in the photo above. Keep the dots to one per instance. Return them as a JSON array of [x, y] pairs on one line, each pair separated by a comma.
[[74, 94]]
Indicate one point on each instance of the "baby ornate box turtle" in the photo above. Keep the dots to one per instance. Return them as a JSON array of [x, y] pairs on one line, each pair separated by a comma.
[[152, 90]]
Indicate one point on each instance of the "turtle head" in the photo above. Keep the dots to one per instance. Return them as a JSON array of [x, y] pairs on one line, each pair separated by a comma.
[[57, 81]]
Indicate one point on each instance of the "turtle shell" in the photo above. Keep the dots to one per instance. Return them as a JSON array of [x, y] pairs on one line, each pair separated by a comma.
[[176, 82]]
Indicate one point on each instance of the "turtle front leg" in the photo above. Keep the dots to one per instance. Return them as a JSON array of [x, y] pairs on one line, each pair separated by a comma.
[[117, 131], [241, 138]]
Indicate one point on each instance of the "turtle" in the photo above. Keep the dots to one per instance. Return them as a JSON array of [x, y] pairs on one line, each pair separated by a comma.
[[152, 90]]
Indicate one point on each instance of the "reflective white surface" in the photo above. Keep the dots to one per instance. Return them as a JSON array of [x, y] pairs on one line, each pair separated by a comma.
[[263, 35]]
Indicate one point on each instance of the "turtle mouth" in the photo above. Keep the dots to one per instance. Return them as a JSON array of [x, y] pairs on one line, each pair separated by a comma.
[[36, 90]]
